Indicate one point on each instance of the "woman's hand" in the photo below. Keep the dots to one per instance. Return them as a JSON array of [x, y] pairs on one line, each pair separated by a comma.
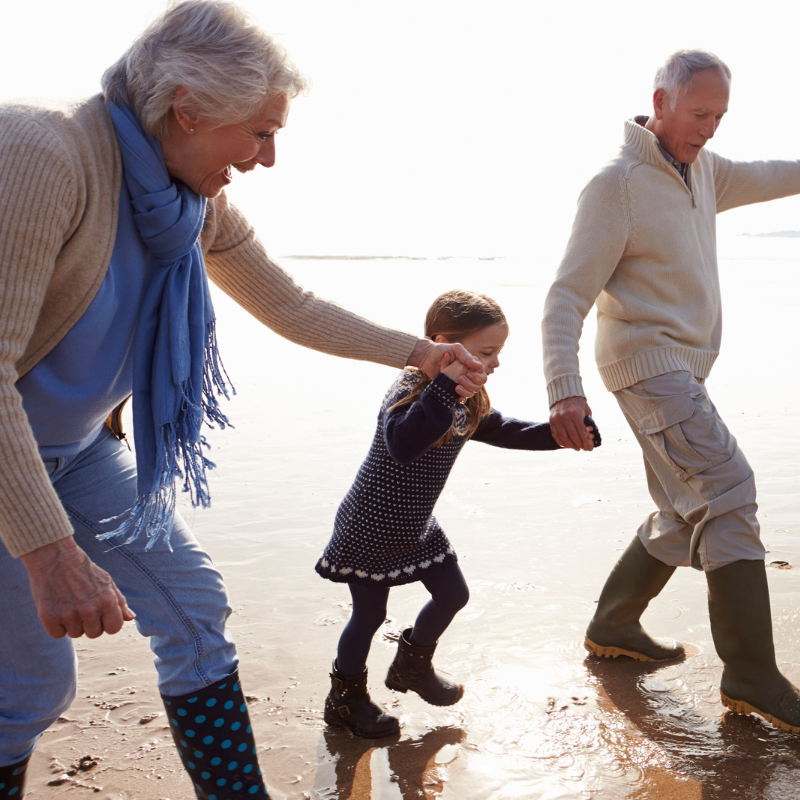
[[454, 371], [72, 594], [432, 358]]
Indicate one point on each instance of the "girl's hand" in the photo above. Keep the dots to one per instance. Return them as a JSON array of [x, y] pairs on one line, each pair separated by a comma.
[[432, 358], [592, 431], [454, 371]]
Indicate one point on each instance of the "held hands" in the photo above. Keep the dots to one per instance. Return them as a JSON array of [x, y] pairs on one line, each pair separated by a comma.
[[569, 425], [72, 594], [454, 371], [433, 358]]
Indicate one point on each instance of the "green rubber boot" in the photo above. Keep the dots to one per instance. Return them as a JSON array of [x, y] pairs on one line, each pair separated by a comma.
[[741, 626], [615, 630]]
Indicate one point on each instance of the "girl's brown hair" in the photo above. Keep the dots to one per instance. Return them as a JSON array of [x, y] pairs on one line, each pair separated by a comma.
[[454, 315]]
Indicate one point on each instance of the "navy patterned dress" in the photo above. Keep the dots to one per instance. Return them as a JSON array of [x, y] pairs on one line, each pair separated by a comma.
[[385, 533]]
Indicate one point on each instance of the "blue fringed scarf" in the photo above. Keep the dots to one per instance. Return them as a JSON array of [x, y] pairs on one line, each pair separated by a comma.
[[177, 373]]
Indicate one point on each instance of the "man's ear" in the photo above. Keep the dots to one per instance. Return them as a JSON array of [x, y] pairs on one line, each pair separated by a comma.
[[659, 101]]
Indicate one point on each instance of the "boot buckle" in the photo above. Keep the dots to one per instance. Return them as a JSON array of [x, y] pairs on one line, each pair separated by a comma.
[[344, 711]]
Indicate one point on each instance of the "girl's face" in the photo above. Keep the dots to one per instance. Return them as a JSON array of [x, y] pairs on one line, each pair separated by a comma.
[[485, 345]]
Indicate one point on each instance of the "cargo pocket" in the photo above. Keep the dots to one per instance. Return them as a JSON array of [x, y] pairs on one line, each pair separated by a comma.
[[682, 430]]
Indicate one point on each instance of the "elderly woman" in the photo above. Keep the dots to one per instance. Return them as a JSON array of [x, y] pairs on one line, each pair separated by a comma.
[[111, 211]]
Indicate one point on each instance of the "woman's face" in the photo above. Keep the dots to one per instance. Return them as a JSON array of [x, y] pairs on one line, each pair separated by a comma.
[[204, 156]]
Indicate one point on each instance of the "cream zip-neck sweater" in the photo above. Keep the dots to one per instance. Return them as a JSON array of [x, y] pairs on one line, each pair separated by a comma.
[[643, 248], [60, 179]]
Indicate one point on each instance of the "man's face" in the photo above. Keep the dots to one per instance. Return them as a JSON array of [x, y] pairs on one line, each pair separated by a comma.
[[684, 130]]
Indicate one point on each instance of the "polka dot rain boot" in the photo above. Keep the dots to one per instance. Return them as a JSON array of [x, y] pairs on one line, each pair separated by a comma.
[[212, 732], [12, 780]]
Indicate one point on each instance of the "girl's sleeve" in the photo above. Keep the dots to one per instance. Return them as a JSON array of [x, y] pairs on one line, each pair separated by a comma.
[[514, 434], [410, 430]]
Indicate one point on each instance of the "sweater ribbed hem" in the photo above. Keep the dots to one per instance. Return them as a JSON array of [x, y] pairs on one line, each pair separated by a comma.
[[657, 361]]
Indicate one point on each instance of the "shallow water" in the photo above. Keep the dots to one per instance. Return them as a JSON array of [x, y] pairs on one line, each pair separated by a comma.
[[536, 535]]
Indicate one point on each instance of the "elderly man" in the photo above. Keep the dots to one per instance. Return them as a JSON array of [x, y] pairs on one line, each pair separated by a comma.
[[643, 249]]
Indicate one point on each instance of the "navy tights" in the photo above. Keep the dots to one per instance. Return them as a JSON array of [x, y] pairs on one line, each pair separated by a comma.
[[449, 594]]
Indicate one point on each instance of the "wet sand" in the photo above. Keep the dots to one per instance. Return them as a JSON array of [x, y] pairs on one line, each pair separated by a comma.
[[536, 535]]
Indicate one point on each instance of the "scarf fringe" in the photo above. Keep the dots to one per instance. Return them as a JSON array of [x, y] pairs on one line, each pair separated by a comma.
[[180, 455], [215, 381], [152, 515]]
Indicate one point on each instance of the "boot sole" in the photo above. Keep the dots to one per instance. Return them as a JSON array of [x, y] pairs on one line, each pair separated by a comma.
[[615, 652], [741, 707], [335, 722], [398, 687]]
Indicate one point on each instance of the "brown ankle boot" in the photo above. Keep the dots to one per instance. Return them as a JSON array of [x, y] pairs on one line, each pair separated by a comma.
[[412, 669], [348, 705]]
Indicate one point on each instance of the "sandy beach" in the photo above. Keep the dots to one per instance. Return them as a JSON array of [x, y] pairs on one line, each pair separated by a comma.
[[536, 535]]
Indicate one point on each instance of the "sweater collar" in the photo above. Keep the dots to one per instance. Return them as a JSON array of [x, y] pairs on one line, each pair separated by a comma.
[[643, 142]]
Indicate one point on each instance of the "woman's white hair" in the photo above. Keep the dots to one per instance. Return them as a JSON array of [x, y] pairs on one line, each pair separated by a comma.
[[212, 48], [674, 76]]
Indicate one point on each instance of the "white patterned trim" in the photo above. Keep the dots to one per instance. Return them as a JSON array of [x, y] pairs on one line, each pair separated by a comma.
[[392, 574]]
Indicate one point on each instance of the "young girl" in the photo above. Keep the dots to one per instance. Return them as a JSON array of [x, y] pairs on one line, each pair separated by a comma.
[[385, 535]]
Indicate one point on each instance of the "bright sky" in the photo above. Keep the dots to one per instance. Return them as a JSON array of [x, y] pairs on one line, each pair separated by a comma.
[[449, 126]]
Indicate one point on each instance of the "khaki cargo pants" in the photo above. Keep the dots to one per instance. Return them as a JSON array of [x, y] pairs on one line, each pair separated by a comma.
[[698, 477]]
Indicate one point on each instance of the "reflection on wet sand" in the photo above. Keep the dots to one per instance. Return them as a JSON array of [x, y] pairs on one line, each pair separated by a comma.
[[536, 537], [360, 766], [735, 756]]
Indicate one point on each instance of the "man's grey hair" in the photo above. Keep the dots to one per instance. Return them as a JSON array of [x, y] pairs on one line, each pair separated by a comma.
[[227, 64], [674, 76]]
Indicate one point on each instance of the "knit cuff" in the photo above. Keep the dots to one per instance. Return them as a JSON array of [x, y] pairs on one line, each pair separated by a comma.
[[442, 389], [564, 387]]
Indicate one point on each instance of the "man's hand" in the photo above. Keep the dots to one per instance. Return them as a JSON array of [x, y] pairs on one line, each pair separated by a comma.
[[568, 426], [72, 594], [432, 358]]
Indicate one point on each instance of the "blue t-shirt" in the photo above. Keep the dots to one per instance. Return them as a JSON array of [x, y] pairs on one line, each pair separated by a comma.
[[69, 394]]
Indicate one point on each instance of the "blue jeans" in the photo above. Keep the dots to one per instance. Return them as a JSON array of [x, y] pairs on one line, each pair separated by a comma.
[[179, 599]]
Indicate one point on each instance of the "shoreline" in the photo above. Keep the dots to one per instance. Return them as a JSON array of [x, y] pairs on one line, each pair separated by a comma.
[[536, 535]]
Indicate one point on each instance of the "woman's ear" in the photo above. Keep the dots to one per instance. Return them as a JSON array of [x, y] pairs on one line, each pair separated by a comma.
[[183, 117], [440, 339]]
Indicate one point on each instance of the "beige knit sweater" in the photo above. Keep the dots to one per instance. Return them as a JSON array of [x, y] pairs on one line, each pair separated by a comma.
[[60, 179], [643, 248]]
